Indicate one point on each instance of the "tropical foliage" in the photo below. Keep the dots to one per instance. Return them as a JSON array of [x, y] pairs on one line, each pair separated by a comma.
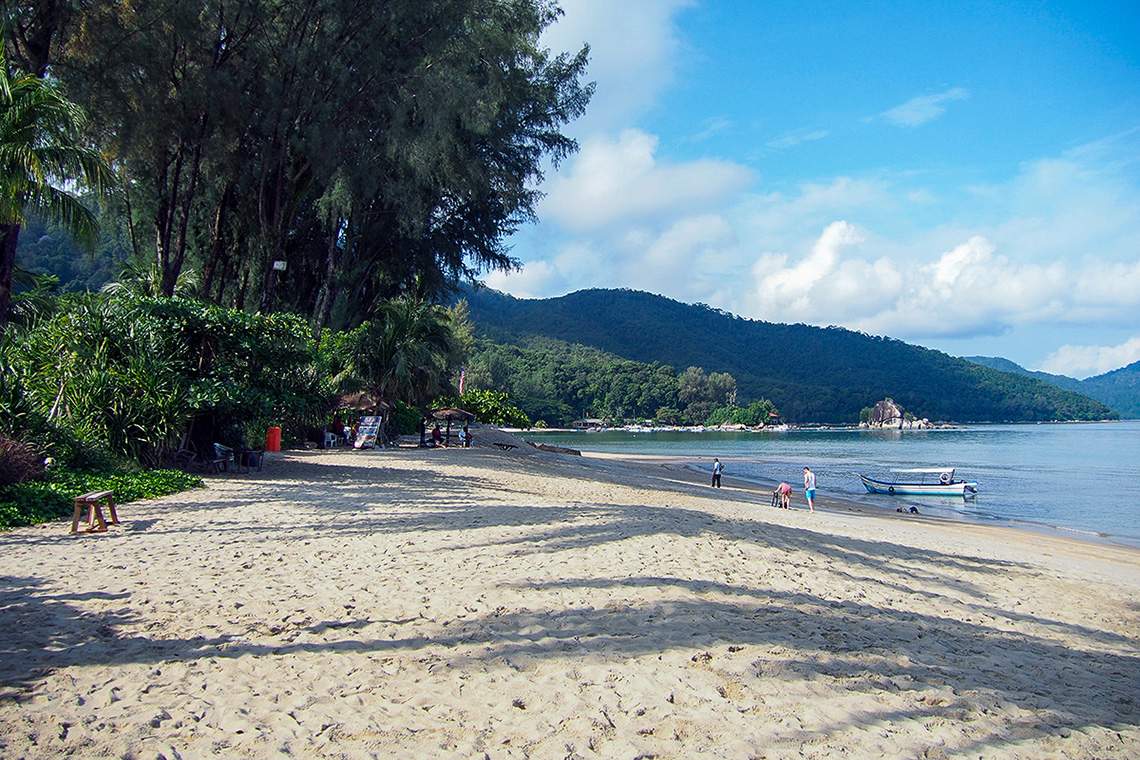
[[406, 352], [143, 377], [299, 183], [490, 408], [41, 147]]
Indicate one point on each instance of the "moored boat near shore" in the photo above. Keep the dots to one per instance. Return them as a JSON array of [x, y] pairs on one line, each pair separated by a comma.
[[932, 481]]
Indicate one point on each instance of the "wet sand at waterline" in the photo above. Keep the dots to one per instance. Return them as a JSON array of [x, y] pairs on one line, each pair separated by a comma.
[[474, 603]]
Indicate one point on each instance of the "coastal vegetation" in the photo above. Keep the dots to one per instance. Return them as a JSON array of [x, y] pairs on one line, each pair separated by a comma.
[[1118, 389], [810, 374], [316, 158], [556, 383], [283, 192]]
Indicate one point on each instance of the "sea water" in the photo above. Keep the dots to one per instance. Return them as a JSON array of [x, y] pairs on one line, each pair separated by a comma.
[[1076, 478]]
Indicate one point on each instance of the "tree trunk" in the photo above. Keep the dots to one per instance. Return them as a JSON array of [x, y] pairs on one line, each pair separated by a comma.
[[215, 259], [329, 291], [9, 236], [175, 205], [34, 34]]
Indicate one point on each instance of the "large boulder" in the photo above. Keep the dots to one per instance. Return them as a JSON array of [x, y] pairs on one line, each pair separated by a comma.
[[888, 414]]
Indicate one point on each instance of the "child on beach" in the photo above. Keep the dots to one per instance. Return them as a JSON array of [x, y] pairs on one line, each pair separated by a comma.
[[785, 493]]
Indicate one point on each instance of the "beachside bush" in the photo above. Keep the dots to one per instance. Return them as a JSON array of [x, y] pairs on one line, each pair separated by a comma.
[[30, 503], [406, 419], [19, 414], [755, 414], [140, 377]]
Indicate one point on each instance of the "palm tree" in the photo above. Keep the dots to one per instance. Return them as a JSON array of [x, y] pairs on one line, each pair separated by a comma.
[[405, 353], [40, 149], [145, 281]]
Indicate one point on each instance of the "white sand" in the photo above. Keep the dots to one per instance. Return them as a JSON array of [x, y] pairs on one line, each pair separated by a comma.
[[477, 603]]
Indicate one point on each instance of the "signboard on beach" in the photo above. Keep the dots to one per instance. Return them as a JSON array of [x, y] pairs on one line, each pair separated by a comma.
[[366, 433]]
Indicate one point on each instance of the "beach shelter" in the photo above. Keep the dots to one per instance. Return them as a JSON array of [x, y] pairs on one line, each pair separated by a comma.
[[449, 414]]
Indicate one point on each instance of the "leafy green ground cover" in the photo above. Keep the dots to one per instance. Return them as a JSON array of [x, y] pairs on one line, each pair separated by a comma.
[[35, 502]]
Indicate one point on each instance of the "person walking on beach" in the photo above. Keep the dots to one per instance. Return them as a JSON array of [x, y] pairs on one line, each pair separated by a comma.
[[718, 468], [785, 492], [809, 488]]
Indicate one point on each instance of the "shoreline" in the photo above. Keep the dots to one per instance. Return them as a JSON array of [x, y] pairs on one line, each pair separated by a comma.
[[475, 602], [1044, 519], [838, 503]]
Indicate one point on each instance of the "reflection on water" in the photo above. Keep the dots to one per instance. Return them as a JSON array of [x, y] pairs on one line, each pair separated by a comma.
[[1081, 478]]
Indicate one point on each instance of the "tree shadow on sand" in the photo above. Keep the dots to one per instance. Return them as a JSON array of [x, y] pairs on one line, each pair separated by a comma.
[[852, 645], [846, 645]]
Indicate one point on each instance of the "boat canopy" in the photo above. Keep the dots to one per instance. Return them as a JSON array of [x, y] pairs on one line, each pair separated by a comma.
[[938, 470]]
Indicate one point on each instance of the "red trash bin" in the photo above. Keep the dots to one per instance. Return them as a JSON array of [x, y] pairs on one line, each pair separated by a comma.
[[273, 439]]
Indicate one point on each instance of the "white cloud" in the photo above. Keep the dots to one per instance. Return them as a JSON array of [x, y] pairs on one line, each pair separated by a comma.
[[534, 279], [621, 181], [1085, 361], [713, 127], [798, 138], [634, 45], [924, 108], [967, 290], [791, 289], [695, 250]]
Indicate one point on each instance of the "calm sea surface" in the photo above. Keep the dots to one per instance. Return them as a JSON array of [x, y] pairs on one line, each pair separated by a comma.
[[1082, 478]]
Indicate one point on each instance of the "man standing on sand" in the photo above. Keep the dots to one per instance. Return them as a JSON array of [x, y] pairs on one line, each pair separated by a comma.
[[718, 468], [809, 488]]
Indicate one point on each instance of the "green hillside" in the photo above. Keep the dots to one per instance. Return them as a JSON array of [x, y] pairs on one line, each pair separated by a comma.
[[811, 374], [1118, 389], [1005, 365]]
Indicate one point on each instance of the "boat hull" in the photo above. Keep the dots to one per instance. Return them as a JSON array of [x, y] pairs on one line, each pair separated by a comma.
[[953, 488]]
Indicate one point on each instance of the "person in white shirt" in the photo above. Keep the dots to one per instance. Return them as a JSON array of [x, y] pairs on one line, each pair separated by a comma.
[[809, 488]]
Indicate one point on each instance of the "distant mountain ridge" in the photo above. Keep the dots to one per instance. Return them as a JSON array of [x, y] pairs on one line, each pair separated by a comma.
[[1118, 389], [812, 374]]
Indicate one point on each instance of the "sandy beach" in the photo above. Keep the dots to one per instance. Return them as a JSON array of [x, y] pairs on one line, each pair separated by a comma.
[[477, 603]]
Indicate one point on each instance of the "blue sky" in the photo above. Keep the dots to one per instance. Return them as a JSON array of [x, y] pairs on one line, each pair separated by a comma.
[[964, 176]]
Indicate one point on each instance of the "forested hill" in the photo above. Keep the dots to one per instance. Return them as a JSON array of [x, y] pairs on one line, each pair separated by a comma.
[[1119, 389], [812, 374]]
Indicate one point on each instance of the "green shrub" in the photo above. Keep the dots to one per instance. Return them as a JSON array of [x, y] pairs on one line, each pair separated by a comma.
[[406, 420], [490, 408], [36, 502]]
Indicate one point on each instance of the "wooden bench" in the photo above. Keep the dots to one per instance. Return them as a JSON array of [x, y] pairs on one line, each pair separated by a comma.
[[93, 502]]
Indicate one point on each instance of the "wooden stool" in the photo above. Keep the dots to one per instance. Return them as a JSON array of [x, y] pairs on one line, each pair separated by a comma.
[[93, 503]]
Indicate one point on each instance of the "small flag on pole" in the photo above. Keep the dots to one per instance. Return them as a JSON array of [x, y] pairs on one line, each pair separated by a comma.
[[462, 379]]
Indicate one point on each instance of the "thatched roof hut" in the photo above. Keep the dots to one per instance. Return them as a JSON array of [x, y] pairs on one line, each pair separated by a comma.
[[449, 414]]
